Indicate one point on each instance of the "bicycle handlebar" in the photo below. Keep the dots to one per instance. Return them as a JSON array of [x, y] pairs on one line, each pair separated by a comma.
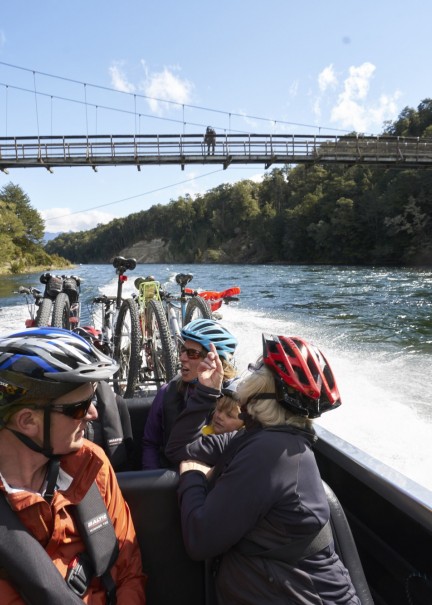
[[33, 291]]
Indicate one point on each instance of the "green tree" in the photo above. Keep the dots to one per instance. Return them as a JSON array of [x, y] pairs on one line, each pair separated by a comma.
[[17, 201]]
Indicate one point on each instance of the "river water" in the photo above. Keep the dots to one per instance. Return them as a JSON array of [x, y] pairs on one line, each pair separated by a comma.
[[374, 325]]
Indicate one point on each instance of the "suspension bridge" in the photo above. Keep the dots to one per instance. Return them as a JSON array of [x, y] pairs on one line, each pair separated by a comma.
[[95, 151]]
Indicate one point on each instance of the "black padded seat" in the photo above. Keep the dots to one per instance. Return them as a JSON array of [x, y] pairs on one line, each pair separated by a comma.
[[173, 577], [346, 548], [138, 411]]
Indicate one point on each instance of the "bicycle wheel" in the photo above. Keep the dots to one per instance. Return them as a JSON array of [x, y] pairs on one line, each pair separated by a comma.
[[127, 348], [43, 314], [197, 308], [159, 350], [61, 312]]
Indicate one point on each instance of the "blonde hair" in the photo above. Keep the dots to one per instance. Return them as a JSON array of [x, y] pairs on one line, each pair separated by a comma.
[[268, 412], [229, 370], [227, 404]]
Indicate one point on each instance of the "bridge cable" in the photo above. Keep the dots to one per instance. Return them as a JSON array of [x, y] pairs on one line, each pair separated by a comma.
[[36, 105], [126, 199], [169, 101]]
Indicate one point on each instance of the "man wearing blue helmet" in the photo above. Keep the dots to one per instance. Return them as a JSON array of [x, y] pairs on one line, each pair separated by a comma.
[[48, 470], [197, 336]]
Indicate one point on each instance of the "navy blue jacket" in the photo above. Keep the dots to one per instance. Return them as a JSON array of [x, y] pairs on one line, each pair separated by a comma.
[[270, 492]]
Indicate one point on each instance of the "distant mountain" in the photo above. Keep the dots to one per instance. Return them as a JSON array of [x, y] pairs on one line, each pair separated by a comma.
[[50, 236]]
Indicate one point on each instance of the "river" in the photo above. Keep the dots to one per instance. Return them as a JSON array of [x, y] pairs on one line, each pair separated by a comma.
[[374, 324]]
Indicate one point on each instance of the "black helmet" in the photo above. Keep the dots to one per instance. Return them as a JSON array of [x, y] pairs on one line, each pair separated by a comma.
[[50, 362]]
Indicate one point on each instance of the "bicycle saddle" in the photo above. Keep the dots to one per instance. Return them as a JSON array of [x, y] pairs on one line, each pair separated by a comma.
[[183, 278]]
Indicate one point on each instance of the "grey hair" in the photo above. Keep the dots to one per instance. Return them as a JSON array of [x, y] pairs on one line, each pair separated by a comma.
[[268, 412]]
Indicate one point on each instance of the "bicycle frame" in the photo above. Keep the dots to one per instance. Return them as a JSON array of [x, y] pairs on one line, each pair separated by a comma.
[[175, 306], [111, 304]]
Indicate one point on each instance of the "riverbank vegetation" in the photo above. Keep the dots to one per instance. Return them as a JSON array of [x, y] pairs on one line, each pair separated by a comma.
[[21, 235]]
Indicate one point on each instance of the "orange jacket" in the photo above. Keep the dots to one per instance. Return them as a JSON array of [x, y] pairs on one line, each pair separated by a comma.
[[53, 526]]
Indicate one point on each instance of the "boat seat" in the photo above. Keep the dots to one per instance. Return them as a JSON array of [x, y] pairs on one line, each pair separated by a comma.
[[346, 548], [138, 411], [173, 577]]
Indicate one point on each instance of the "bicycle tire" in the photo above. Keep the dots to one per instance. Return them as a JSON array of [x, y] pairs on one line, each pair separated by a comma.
[[43, 314], [127, 348], [61, 312], [159, 349], [197, 308]]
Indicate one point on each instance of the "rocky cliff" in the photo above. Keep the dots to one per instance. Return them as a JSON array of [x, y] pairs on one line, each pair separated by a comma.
[[237, 250]]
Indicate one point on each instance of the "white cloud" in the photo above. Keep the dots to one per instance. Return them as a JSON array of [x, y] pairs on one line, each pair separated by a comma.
[[354, 111], [165, 85], [327, 78], [118, 79], [64, 220], [293, 89]]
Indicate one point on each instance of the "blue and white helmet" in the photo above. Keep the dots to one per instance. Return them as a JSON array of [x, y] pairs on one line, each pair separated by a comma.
[[206, 331], [50, 362]]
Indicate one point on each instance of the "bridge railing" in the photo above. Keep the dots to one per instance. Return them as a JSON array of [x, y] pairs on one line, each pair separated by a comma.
[[167, 148]]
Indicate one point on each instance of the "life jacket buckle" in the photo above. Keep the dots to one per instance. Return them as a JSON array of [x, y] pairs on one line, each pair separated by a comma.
[[80, 574]]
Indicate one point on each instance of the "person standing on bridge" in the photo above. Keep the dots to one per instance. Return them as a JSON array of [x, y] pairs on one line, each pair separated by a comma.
[[210, 140]]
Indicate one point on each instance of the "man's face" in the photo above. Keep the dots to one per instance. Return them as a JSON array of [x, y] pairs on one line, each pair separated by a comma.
[[189, 365], [67, 432]]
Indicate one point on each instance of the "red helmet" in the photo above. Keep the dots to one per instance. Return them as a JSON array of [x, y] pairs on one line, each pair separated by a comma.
[[305, 383]]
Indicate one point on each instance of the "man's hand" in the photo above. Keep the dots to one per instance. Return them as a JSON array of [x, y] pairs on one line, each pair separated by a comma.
[[194, 465], [210, 371]]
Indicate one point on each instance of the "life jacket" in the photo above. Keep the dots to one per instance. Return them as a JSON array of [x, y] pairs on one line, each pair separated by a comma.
[[112, 429], [33, 572]]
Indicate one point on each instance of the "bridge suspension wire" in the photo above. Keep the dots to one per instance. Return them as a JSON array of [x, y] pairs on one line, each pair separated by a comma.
[[85, 103], [6, 109], [177, 103], [132, 197], [36, 104]]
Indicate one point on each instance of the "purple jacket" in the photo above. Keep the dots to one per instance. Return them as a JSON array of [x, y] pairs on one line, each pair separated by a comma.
[[167, 404]]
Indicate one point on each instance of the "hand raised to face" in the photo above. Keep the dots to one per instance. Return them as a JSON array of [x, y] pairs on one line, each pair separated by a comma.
[[210, 370]]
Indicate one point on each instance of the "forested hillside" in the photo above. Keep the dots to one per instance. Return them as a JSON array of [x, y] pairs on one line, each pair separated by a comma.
[[21, 235], [334, 215], [355, 215]]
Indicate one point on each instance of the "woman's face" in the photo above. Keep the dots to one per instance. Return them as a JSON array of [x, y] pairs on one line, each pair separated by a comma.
[[189, 365], [225, 419]]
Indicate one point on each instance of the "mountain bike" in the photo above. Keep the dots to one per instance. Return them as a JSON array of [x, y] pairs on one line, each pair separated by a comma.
[[182, 309], [67, 306], [189, 305], [39, 307], [124, 346], [150, 357]]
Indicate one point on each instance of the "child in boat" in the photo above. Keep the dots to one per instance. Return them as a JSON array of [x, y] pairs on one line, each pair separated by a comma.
[[225, 417]]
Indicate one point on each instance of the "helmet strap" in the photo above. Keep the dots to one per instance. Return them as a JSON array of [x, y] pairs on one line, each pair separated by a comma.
[[52, 475], [46, 450]]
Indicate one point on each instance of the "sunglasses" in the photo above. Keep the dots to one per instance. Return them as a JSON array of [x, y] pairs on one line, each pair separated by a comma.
[[192, 353], [77, 411]]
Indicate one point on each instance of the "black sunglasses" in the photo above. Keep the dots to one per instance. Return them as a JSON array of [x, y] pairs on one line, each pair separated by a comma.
[[77, 411], [192, 353]]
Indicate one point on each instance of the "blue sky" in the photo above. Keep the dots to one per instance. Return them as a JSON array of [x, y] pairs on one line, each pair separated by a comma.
[[340, 64]]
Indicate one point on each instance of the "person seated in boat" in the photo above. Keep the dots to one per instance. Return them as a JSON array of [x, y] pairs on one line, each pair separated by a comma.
[[49, 471], [275, 546], [197, 336], [210, 139], [225, 417]]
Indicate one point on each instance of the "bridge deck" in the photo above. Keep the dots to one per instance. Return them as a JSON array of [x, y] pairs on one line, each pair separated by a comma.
[[266, 149]]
